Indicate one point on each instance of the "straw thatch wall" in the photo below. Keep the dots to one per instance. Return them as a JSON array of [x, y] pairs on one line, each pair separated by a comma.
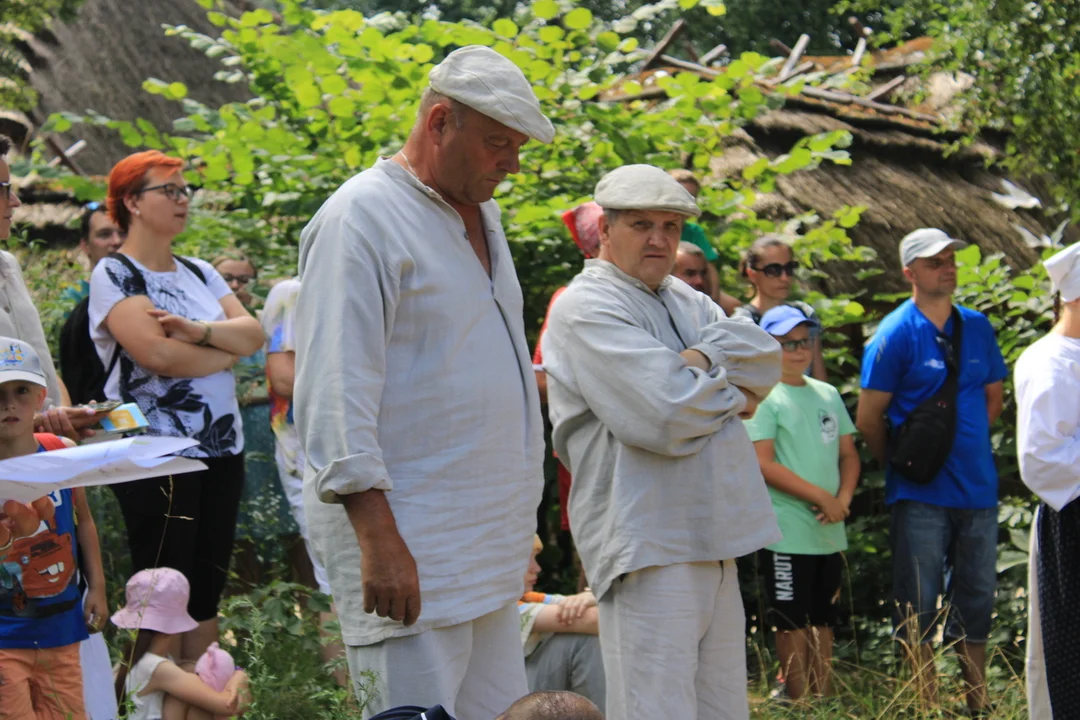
[[99, 62]]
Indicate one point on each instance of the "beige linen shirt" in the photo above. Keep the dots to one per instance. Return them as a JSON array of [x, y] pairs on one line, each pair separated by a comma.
[[19, 319], [414, 377], [664, 471]]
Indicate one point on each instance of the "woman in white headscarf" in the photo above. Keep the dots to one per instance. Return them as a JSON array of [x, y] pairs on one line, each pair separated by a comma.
[[1047, 379]]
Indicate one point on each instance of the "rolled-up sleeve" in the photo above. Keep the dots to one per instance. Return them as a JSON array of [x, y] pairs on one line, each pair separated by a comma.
[[640, 389], [344, 317], [750, 357]]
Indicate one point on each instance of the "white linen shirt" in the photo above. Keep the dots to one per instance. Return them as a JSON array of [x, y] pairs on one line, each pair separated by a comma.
[[19, 319], [414, 377], [1047, 381], [664, 471]]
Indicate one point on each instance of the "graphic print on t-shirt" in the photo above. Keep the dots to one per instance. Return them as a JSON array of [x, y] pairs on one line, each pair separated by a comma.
[[39, 568], [173, 406], [830, 430]]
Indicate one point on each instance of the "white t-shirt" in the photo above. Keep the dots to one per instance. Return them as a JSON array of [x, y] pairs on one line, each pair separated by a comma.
[[201, 408], [147, 707]]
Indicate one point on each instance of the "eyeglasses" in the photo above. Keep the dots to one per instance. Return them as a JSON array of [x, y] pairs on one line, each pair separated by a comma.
[[775, 270], [172, 191], [5, 190], [793, 345], [239, 279]]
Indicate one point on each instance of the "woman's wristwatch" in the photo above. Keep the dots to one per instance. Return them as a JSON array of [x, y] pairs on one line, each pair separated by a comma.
[[205, 339]]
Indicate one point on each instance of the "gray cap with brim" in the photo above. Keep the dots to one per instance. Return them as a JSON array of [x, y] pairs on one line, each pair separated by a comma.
[[492, 85], [19, 361], [644, 187], [926, 242]]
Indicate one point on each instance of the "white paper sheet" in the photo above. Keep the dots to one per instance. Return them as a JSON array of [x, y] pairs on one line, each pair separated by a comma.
[[28, 477]]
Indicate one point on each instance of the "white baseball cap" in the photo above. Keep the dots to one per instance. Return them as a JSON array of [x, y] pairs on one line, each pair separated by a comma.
[[926, 242], [492, 85], [18, 361]]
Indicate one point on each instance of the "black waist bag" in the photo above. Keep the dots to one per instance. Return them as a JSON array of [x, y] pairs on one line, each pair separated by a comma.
[[919, 447]]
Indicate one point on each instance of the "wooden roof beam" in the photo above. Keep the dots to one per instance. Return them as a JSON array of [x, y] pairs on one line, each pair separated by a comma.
[[664, 44], [793, 58]]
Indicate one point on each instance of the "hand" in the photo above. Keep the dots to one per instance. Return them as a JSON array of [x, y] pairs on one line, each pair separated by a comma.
[[95, 609], [69, 422], [696, 358], [239, 692], [19, 520], [390, 580], [752, 402], [845, 500], [573, 607], [830, 510], [179, 328]]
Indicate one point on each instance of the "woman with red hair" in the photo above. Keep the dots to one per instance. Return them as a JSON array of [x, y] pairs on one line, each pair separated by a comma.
[[168, 331]]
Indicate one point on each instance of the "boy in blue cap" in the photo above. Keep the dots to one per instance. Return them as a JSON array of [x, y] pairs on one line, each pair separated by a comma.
[[804, 441]]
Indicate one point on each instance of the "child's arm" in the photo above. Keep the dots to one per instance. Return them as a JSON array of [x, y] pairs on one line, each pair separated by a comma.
[[188, 688], [783, 479], [95, 608], [850, 469]]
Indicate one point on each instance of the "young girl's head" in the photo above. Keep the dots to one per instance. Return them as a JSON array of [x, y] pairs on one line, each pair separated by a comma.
[[156, 605]]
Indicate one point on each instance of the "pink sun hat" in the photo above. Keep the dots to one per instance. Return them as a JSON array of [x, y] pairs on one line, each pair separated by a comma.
[[156, 600]]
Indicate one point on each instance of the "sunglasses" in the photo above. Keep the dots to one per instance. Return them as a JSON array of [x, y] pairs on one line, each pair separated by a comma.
[[172, 191], [241, 279], [775, 270], [5, 191], [793, 345]]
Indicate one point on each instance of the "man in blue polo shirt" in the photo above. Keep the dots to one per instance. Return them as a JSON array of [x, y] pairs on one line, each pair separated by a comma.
[[949, 526]]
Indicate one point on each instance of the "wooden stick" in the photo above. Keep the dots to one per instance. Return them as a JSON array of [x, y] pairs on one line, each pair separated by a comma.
[[804, 68], [846, 99], [860, 29], [857, 56], [780, 47], [716, 52], [691, 51], [800, 48], [662, 46], [57, 148], [686, 65], [883, 90]]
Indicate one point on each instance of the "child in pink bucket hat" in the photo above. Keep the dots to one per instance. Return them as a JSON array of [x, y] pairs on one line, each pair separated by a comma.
[[156, 611]]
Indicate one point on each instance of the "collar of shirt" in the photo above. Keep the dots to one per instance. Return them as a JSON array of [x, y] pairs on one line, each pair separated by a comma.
[[603, 268]]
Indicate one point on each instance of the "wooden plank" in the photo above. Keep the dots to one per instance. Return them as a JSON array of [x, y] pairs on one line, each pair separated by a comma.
[[715, 53], [664, 43], [793, 58], [686, 65], [883, 90]]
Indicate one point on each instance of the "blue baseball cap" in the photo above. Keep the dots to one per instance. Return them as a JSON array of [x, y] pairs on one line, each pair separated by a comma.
[[782, 319]]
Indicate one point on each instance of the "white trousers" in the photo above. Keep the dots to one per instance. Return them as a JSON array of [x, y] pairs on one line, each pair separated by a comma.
[[1038, 691], [674, 644], [475, 670]]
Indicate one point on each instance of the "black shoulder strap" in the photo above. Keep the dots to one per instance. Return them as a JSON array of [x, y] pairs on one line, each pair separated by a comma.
[[952, 360], [192, 267]]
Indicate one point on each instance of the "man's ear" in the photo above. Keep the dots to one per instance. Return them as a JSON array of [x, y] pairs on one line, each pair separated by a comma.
[[438, 120], [605, 230]]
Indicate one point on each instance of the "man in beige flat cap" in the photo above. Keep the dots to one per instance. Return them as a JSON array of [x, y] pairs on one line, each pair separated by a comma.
[[647, 383], [416, 402]]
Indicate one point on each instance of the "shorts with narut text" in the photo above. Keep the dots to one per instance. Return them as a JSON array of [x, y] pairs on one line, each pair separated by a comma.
[[803, 590]]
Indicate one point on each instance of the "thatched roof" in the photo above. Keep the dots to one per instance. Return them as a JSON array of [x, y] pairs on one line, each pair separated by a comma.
[[904, 169], [100, 60]]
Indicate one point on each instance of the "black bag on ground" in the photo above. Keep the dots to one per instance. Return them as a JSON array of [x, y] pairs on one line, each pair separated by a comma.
[[80, 367], [919, 447]]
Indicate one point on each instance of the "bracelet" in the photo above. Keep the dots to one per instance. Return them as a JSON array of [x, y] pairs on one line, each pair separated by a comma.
[[205, 339]]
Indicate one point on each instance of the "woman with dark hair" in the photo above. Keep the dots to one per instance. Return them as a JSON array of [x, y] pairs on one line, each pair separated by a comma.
[[168, 330], [769, 265]]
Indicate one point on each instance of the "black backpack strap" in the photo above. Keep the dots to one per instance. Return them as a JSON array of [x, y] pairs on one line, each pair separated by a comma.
[[952, 359], [192, 267], [140, 283]]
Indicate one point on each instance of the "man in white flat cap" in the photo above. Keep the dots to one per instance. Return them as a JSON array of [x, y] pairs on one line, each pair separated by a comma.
[[647, 382], [1047, 382], [931, 388], [416, 401]]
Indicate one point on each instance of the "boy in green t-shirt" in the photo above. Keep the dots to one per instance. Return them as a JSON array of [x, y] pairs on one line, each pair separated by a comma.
[[804, 441]]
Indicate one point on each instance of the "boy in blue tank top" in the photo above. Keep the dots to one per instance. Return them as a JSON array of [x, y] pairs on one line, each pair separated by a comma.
[[42, 620]]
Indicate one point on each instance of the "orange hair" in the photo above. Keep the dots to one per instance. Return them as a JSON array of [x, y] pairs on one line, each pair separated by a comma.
[[127, 178]]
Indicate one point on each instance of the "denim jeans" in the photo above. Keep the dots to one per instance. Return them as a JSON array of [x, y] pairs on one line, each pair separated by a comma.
[[939, 550]]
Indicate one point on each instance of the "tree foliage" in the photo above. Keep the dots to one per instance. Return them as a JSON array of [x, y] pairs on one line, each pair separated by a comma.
[[1025, 60], [18, 18]]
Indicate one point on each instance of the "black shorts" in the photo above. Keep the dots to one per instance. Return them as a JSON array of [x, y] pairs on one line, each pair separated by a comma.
[[186, 522], [803, 590]]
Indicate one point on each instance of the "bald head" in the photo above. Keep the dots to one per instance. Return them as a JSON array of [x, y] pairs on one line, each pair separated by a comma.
[[553, 706]]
